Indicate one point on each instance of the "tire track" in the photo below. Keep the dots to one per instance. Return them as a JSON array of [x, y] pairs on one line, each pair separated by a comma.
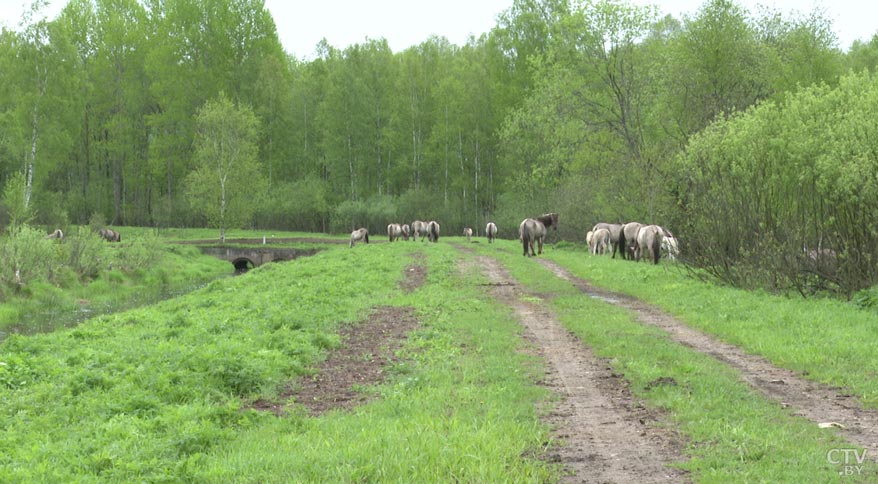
[[603, 429], [816, 402]]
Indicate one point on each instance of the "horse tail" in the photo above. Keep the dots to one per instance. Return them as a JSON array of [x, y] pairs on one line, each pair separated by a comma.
[[623, 246], [656, 246]]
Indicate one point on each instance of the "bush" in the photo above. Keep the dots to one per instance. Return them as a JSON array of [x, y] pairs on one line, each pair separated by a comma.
[[143, 251], [27, 256], [87, 253]]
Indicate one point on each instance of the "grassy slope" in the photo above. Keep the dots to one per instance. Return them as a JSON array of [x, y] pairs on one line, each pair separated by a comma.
[[155, 394], [736, 435]]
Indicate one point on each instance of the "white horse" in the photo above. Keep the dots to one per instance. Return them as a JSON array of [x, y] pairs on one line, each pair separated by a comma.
[[600, 240], [491, 231], [394, 232], [433, 231], [359, 235], [468, 232], [669, 244], [649, 238], [406, 231], [419, 228], [628, 239], [615, 235]]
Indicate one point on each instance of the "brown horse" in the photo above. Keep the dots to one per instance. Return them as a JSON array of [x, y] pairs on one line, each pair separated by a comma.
[[532, 230], [110, 235]]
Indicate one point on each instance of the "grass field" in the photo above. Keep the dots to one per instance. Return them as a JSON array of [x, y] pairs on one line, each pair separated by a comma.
[[163, 393]]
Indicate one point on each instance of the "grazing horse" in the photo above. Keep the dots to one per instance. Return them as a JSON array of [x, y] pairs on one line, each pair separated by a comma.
[[615, 234], [532, 230], [491, 232], [628, 239], [419, 229], [406, 231], [110, 235], [394, 232], [669, 244], [358, 235], [468, 232], [433, 231], [57, 234], [601, 241], [649, 238]]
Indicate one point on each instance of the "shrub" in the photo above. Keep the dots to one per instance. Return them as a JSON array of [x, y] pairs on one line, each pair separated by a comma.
[[87, 253], [27, 256]]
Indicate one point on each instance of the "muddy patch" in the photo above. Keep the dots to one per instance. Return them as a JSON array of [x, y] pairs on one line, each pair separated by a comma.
[[366, 350], [816, 402], [414, 277], [604, 434]]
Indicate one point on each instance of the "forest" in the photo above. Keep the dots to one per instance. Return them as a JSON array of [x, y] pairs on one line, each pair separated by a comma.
[[750, 134]]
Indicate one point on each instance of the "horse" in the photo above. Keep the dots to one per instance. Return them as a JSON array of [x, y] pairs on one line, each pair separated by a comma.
[[110, 235], [57, 235], [649, 237], [419, 228], [533, 230], [433, 231], [669, 244], [601, 241], [468, 232], [394, 232], [628, 239], [358, 235], [406, 230], [491, 232], [615, 234]]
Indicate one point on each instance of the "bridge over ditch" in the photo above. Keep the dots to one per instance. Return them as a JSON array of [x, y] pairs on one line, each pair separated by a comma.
[[246, 258]]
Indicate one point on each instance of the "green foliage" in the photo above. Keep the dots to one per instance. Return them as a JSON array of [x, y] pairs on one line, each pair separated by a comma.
[[87, 253], [302, 205], [795, 209], [27, 257], [374, 214], [227, 182], [14, 201]]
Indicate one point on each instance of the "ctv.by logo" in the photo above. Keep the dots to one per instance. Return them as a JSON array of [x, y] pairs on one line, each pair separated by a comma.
[[850, 460]]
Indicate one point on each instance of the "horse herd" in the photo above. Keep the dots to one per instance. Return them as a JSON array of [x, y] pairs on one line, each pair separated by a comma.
[[107, 234], [632, 240], [424, 230]]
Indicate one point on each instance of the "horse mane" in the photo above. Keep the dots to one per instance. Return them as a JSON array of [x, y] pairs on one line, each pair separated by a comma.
[[549, 219]]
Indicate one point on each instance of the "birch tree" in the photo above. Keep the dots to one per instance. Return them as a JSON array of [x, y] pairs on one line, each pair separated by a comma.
[[227, 181]]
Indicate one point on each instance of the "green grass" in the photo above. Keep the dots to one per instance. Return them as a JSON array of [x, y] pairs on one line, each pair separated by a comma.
[[735, 434], [827, 340], [158, 394]]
